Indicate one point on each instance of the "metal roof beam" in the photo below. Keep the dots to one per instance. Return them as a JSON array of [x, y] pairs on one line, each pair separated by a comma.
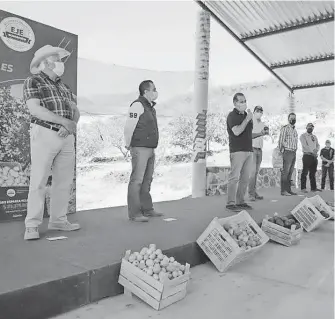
[[302, 61], [312, 85], [222, 24], [298, 24]]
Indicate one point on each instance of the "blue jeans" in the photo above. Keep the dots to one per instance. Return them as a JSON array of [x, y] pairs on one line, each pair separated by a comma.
[[256, 164], [139, 198], [289, 158]]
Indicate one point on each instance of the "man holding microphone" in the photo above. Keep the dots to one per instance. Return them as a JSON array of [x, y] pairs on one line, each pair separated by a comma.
[[240, 127]]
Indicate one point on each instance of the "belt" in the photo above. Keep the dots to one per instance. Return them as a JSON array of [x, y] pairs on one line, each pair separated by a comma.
[[257, 148], [44, 124]]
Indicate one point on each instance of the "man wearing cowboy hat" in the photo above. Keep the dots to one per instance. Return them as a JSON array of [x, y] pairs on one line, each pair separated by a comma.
[[54, 118]]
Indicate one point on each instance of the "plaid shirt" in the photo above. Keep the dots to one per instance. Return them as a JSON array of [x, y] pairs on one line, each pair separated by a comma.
[[288, 138], [53, 95]]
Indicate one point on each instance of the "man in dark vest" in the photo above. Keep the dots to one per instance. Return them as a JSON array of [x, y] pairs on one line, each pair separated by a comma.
[[141, 138]]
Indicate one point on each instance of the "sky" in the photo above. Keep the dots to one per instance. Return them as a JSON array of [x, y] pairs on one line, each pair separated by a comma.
[[154, 35]]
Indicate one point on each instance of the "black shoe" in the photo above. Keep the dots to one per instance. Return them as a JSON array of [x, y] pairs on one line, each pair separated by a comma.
[[139, 219], [292, 193], [233, 208], [285, 193], [244, 206], [152, 213], [259, 197]]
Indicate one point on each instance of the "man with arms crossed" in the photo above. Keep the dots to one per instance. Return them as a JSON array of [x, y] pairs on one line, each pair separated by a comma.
[[141, 138], [54, 118], [327, 156]]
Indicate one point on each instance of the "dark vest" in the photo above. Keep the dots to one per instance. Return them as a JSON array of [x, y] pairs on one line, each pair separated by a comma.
[[146, 131]]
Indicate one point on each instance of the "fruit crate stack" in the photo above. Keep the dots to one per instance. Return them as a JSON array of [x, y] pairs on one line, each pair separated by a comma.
[[157, 279], [284, 230], [308, 215], [324, 208], [228, 241]]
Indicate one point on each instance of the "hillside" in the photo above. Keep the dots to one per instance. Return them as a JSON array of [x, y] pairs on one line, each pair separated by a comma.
[[108, 89]]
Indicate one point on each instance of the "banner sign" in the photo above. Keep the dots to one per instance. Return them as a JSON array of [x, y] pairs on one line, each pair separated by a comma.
[[20, 38]]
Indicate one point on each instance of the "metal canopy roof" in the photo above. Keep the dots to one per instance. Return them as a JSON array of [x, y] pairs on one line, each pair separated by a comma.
[[294, 40]]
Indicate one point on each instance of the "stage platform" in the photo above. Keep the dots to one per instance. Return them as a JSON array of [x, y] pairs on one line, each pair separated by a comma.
[[41, 279]]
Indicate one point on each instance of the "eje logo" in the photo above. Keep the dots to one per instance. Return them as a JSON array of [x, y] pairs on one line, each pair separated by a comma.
[[17, 34], [11, 192]]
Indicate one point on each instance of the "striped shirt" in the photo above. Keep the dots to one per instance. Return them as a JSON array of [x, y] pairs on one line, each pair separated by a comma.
[[288, 139], [56, 96]]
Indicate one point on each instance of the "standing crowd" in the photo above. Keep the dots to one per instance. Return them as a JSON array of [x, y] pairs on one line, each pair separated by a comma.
[[54, 118], [246, 132]]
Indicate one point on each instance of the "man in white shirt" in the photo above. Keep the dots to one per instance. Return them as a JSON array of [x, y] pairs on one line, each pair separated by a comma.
[[310, 148], [141, 138], [259, 129]]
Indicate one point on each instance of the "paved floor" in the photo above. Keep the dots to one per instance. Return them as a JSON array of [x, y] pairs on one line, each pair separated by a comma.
[[106, 234], [279, 282], [276, 283]]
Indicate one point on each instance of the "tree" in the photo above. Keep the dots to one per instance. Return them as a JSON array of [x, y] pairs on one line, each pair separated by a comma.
[[89, 142], [112, 131], [275, 123], [14, 129], [182, 130], [217, 129]]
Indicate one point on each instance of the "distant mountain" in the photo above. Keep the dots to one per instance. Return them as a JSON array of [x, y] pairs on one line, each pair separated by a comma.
[[109, 89], [108, 84]]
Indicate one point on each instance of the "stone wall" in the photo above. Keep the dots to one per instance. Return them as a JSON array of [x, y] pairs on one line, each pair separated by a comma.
[[217, 179], [318, 180]]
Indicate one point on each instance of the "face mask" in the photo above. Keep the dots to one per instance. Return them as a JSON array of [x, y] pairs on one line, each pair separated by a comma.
[[59, 68], [154, 96], [293, 121], [242, 107], [309, 130]]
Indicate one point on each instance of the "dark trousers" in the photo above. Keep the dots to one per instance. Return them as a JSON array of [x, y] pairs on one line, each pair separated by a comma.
[[330, 171], [139, 198], [309, 165], [289, 158]]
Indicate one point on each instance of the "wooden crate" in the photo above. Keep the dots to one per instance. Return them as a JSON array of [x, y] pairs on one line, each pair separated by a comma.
[[280, 234], [307, 215], [155, 293], [319, 203], [221, 248]]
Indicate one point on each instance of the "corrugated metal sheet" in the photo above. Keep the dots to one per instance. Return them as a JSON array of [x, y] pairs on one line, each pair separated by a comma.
[[308, 73], [249, 18]]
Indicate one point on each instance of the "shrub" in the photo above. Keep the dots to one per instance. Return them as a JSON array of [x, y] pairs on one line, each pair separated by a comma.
[[14, 129]]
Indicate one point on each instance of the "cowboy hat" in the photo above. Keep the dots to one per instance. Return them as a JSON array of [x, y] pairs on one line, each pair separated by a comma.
[[44, 53]]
